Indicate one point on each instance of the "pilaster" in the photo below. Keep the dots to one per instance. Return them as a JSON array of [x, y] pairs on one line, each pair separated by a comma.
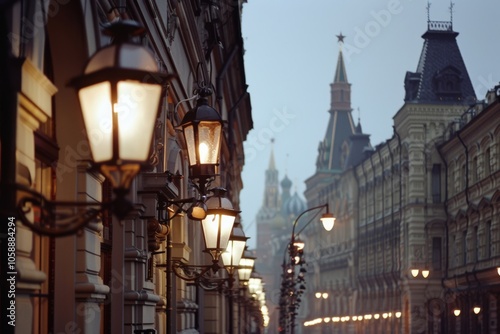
[[140, 298], [34, 107]]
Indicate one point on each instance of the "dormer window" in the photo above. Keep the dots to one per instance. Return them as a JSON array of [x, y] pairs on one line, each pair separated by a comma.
[[448, 83]]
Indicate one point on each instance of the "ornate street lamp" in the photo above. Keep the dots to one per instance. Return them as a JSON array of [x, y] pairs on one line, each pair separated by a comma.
[[255, 284], [202, 129], [119, 92], [232, 256], [293, 287], [246, 266], [218, 223]]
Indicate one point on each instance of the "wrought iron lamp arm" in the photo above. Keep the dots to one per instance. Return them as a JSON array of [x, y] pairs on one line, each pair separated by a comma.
[[309, 222], [56, 218], [203, 275]]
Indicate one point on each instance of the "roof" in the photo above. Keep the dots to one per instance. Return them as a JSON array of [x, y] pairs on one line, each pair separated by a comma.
[[441, 75]]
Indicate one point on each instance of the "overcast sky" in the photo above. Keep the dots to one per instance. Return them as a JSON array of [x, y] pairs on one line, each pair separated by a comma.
[[291, 51]]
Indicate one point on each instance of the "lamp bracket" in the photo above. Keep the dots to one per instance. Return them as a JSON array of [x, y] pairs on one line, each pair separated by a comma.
[[205, 276], [59, 218], [171, 177], [203, 91]]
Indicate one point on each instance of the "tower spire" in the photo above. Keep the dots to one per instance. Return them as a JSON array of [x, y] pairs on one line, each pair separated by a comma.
[[341, 125], [272, 165], [340, 72]]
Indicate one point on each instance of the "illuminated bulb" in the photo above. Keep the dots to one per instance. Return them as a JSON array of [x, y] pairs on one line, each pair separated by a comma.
[[354, 318], [498, 270], [456, 312], [368, 316], [425, 273], [398, 314], [325, 295], [376, 315], [317, 294], [476, 309], [326, 320], [203, 151], [347, 318], [414, 272]]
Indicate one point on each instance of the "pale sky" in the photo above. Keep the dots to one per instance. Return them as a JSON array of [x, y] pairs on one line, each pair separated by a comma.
[[290, 56]]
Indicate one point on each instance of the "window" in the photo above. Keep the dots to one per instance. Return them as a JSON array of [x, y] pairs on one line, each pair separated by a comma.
[[487, 240], [474, 171], [463, 178], [436, 253], [453, 250], [451, 184], [487, 162], [476, 245], [436, 183], [464, 247]]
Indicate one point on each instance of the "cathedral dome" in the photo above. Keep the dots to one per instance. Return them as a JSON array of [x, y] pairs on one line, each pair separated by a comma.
[[293, 206], [286, 183]]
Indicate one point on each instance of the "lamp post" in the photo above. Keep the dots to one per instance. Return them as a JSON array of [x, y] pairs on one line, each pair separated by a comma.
[[290, 294]]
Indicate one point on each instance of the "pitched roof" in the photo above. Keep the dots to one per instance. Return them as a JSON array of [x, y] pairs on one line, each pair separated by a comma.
[[441, 75]]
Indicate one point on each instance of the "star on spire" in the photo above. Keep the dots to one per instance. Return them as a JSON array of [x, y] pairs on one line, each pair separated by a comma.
[[340, 38]]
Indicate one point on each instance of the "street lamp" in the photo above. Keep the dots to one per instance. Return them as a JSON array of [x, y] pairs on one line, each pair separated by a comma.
[[216, 230], [232, 256], [120, 100], [119, 93], [202, 129], [291, 287], [245, 267], [218, 223]]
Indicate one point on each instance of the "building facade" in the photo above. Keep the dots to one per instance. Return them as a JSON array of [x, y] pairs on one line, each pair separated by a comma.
[[109, 277], [414, 243]]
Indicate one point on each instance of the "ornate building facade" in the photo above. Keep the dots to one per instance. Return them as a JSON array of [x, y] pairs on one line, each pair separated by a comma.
[[110, 276], [414, 248]]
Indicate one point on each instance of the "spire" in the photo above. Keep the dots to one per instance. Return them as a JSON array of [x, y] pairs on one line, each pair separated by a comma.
[[341, 124], [271, 189], [272, 165], [340, 72]]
